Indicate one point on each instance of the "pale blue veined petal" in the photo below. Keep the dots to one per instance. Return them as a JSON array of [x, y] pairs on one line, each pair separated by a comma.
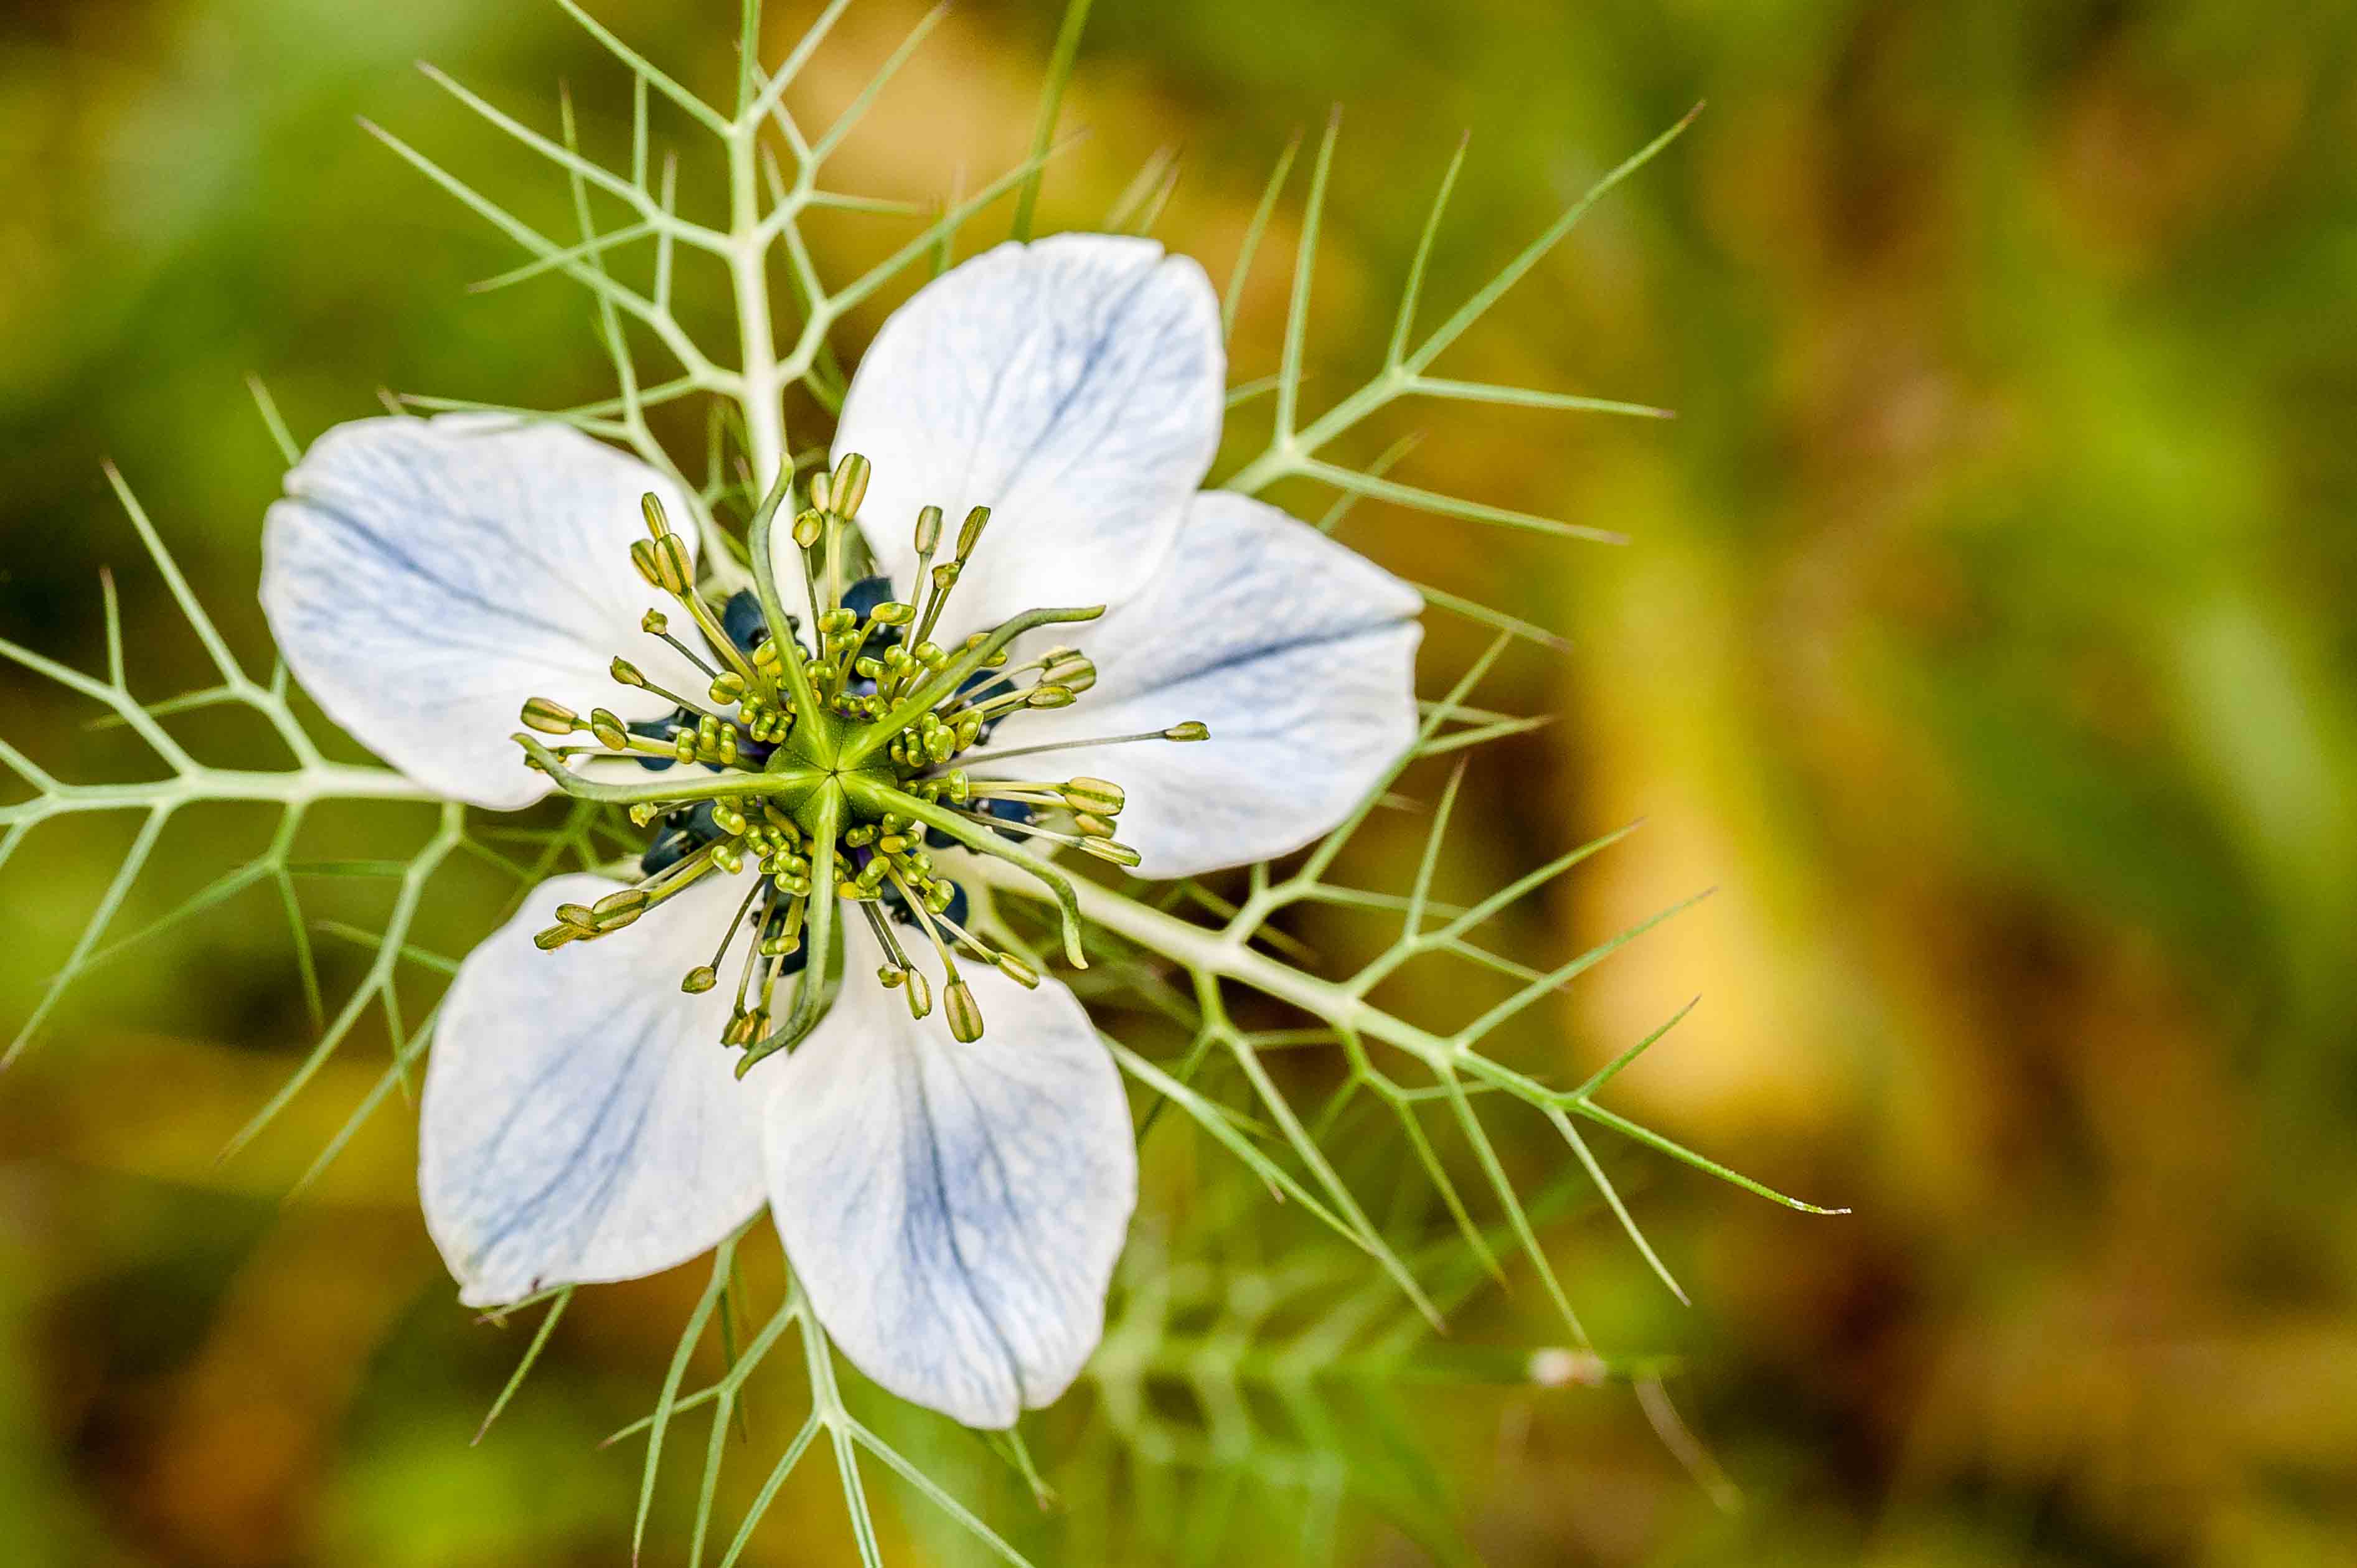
[[423, 577], [581, 1120], [1075, 385], [953, 1210], [1298, 652]]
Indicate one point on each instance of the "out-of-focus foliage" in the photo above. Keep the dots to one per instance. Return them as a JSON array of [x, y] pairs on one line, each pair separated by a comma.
[[1984, 638]]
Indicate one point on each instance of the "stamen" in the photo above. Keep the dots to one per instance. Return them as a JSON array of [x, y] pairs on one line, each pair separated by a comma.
[[957, 1002], [704, 976], [898, 971], [626, 673], [654, 623], [1191, 730], [1101, 846], [835, 766]]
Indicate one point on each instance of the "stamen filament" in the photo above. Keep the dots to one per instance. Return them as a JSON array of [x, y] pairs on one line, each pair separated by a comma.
[[972, 757]]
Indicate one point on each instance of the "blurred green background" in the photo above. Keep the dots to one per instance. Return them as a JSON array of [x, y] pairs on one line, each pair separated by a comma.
[[1986, 640]]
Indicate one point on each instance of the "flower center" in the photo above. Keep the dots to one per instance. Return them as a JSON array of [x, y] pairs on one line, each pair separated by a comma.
[[835, 766]]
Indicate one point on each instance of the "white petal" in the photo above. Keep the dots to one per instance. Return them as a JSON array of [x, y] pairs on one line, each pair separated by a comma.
[[424, 577], [1074, 385], [1298, 653], [582, 1120], [954, 1210]]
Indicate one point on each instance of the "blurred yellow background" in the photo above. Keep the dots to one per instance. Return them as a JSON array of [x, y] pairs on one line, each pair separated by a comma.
[[1985, 639]]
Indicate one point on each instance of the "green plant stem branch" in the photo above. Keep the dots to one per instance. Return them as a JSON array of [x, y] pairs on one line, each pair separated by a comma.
[[1227, 954], [749, 254]]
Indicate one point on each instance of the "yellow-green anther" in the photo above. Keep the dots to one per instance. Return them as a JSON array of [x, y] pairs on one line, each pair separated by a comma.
[[630, 900], [728, 857], [643, 556], [650, 507], [808, 527], [850, 486], [555, 937], [728, 818], [644, 812], [727, 687], [892, 612], [1193, 729], [625, 673], [920, 994], [1049, 697], [654, 623], [970, 532], [1105, 849], [579, 916], [699, 979], [1091, 825], [965, 1017], [929, 529], [1016, 970], [608, 730], [550, 718], [1095, 794], [677, 573]]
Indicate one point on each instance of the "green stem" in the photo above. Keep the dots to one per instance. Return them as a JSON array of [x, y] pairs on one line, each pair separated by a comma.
[[749, 252]]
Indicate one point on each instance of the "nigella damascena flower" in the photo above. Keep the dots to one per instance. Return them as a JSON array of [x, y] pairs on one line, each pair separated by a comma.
[[945, 1144]]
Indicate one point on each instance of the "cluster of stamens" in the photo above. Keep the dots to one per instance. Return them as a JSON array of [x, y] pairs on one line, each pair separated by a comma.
[[834, 769]]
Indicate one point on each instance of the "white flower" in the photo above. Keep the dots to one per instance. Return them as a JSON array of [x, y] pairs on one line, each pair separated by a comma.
[[952, 1199]]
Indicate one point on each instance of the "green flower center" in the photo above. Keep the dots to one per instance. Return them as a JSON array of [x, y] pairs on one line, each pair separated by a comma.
[[833, 769]]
